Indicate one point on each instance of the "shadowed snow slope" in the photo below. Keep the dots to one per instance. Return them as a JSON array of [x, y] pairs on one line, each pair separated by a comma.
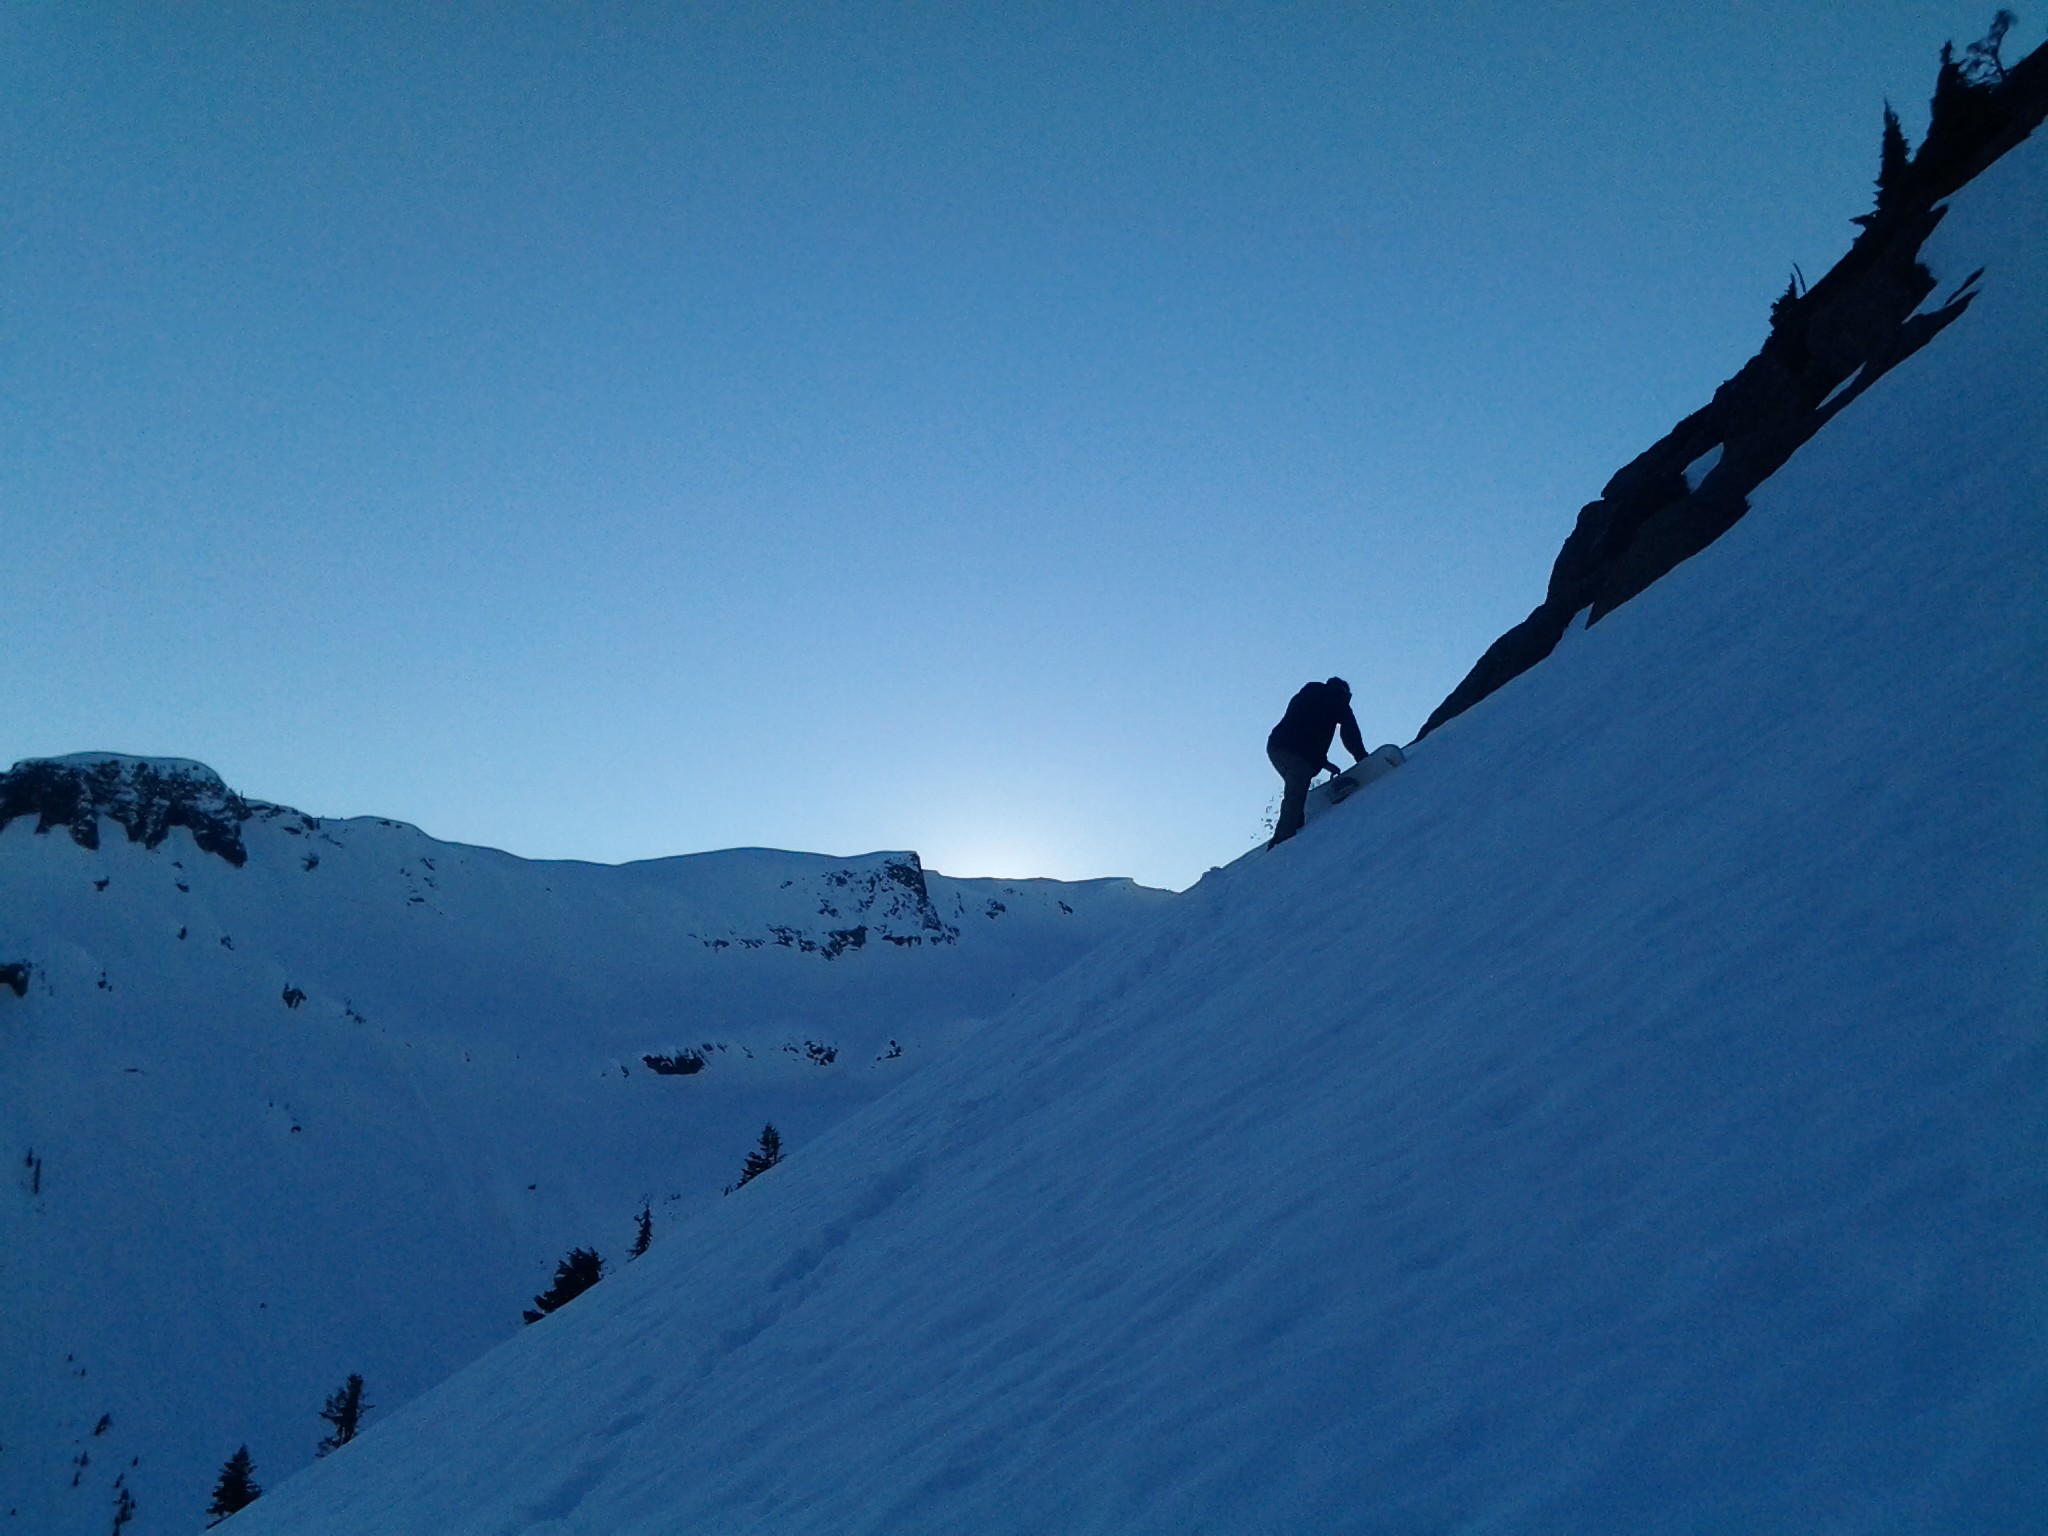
[[288, 1098], [1629, 1116]]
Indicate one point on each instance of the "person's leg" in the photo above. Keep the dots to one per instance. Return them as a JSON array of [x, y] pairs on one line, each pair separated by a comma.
[[1296, 774]]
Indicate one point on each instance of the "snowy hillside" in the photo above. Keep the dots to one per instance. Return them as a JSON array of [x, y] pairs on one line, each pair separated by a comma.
[[1630, 1116], [286, 1099]]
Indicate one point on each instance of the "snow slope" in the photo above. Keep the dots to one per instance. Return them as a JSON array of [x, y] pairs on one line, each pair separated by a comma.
[[284, 1099], [1630, 1116]]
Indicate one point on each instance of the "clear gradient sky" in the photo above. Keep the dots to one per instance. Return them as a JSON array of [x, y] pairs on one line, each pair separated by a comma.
[[614, 431]]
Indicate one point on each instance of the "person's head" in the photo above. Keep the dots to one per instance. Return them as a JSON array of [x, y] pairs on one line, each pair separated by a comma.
[[1338, 686]]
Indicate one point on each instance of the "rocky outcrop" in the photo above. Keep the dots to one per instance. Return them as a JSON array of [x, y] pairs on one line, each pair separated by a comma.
[[1826, 346], [145, 797], [881, 897]]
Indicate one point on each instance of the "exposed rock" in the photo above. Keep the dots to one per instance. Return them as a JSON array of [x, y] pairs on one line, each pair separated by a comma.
[[1826, 346], [146, 797], [888, 896], [839, 940]]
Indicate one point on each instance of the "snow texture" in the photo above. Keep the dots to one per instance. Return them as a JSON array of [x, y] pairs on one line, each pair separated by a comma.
[[286, 1099], [1697, 471], [1340, 788], [1630, 1116], [1829, 399]]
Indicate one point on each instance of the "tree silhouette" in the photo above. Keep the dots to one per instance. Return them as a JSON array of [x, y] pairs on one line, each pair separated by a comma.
[[345, 1409], [1967, 109], [237, 1488], [1981, 63], [644, 1237], [577, 1273], [1894, 161], [764, 1156]]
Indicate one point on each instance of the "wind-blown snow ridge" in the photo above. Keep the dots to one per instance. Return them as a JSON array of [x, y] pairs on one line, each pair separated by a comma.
[[1630, 1116]]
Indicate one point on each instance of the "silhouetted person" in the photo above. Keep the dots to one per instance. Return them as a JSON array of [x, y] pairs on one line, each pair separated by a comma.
[[1299, 746]]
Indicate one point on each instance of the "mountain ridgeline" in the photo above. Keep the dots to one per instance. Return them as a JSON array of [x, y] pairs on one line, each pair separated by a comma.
[[1828, 343], [1611, 1138], [293, 1099]]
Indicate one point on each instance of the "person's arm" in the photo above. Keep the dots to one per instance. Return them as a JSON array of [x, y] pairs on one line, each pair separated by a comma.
[[1353, 742]]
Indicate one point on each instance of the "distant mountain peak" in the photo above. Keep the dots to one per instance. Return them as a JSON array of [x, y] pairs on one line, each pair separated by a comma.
[[145, 796]]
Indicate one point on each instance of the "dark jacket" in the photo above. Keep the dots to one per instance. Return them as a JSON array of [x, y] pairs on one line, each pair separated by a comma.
[[1312, 715]]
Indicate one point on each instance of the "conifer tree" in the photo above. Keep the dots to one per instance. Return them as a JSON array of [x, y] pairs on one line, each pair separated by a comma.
[[1894, 161], [345, 1409], [644, 1237], [764, 1156], [1981, 63], [1955, 94], [577, 1273], [237, 1488], [1785, 305]]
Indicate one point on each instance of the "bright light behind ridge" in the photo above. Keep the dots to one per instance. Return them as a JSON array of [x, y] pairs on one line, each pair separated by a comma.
[[617, 433]]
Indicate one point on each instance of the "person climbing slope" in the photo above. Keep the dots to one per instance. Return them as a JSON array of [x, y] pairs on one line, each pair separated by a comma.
[[1299, 746]]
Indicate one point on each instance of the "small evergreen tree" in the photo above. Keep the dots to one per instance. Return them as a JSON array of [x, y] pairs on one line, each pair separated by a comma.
[[1950, 83], [577, 1273], [766, 1154], [1785, 305], [1981, 64], [237, 1488], [644, 1237], [1967, 108], [345, 1409], [1955, 107], [1894, 161]]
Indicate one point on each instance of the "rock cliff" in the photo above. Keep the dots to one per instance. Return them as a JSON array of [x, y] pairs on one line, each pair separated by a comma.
[[1826, 346]]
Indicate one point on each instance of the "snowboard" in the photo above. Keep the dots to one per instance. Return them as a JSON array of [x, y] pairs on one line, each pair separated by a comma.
[[1377, 764]]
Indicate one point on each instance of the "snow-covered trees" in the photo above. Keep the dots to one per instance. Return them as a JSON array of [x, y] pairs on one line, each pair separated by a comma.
[[577, 1273], [345, 1409], [237, 1488]]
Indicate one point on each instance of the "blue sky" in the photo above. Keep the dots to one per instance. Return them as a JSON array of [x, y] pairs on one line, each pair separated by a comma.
[[608, 432]]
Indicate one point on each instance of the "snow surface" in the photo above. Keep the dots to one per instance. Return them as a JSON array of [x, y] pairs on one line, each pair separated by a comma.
[[224, 1198], [1630, 1116], [1831, 396], [1356, 779], [1697, 471]]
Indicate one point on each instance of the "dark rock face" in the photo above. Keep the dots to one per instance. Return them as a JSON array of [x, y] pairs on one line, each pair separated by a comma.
[[839, 940], [1825, 348], [14, 975], [145, 797]]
